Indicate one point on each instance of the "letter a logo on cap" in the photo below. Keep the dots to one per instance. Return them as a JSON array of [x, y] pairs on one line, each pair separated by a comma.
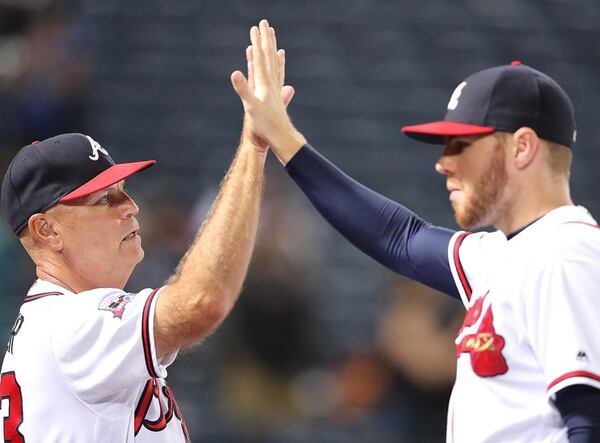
[[95, 149], [453, 103]]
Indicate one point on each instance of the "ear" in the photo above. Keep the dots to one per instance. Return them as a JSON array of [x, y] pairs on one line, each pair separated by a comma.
[[43, 231], [527, 144]]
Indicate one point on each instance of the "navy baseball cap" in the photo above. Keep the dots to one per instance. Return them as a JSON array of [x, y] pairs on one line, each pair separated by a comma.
[[58, 169], [504, 98]]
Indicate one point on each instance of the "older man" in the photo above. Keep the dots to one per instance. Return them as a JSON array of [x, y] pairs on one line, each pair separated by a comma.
[[87, 361]]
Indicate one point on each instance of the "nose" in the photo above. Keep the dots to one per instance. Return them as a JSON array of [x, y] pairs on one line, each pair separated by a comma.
[[444, 165], [130, 208]]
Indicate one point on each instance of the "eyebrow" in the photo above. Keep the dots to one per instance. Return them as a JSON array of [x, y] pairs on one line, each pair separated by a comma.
[[457, 143], [120, 186], [88, 198]]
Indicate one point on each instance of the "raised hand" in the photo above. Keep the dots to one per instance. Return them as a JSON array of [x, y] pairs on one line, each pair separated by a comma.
[[264, 94]]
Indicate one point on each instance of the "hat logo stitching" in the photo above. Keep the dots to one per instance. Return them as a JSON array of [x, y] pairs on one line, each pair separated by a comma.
[[96, 148], [453, 103]]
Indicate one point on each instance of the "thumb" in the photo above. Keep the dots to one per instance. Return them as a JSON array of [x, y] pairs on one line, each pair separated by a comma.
[[240, 85], [287, 94]]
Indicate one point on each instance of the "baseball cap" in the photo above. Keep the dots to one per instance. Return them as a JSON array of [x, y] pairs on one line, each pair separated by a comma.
[[58, 169], [504, 98]]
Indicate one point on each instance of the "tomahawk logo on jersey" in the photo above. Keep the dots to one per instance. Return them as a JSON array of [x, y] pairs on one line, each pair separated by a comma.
[[83, 367], [529, 331]]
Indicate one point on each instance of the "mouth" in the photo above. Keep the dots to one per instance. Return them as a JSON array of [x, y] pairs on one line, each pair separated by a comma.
[[131, 235], [452, 190], [451, 187]]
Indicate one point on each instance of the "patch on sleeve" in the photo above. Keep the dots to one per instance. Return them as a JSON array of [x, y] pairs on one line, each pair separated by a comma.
[[115, 303]]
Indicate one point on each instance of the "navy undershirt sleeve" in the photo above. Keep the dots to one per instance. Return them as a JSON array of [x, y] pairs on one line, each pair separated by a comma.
[[380, 227], [579, 406]]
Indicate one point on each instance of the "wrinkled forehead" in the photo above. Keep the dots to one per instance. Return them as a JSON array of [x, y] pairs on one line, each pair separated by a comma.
[[119, 186], [86, 199]]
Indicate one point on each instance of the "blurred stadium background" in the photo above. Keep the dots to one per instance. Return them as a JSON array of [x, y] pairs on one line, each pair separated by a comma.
[[324, 345]]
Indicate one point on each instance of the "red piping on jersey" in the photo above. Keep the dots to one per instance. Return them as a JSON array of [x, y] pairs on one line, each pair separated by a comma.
[[583, 374], [42, 295], [146, 335], [168, 393], [143, 405], [452, 424], [160, 423], [582, 223], [459, 268]]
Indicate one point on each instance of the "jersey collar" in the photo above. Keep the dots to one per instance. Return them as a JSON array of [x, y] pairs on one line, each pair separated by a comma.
[[41, 287], [559, 216]]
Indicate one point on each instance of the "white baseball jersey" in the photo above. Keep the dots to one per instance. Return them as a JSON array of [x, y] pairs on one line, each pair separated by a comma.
[[533, 307], [83, 368]]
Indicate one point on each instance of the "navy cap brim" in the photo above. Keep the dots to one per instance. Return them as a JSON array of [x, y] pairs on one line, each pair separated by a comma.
[[108, 177], [437, 132]]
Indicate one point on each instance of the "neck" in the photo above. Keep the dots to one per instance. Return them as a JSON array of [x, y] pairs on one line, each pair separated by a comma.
[[58, 276], [532, 202], [78, 279], [57, 271], [52, 279]]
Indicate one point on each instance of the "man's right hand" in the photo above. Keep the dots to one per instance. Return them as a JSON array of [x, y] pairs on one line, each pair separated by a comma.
[[264, 95]]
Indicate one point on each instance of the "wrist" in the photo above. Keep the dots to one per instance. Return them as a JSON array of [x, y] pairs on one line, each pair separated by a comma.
[[286, 142], [253, 150], [249, 140]]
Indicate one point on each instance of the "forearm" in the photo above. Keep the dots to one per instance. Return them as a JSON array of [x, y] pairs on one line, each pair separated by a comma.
[[380, 227], [208, 279]]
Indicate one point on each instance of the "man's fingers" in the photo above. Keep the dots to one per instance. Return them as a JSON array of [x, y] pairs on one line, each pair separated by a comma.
[[281, 61], [266, 41], [273, 38], [266, 37], [257, 55], [273, 53], [251, 75], [287, 94], [250, 67], [240, 84], [264, 61]]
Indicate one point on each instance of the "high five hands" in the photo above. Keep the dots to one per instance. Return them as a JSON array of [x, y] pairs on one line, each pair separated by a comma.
[[265, 96]]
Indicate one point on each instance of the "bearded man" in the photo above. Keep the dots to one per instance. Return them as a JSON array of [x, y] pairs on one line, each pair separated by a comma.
[[528, 361]]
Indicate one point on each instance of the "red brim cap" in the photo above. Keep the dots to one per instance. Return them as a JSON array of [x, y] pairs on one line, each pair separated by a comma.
[[436, 132], [108, 177]]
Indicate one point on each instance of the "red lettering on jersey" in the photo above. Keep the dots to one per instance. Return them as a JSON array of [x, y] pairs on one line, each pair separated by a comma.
[[485, 348], [152, 391], [10, 389]]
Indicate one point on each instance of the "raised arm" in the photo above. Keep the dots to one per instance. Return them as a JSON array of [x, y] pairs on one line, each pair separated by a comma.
[[383, 229], [208, 279]]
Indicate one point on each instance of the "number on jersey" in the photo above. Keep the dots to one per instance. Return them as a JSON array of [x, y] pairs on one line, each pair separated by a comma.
[[11, 408]]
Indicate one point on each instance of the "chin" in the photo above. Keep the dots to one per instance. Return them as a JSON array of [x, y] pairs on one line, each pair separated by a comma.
[[467, 218], [140, 256], [463, 223], [461, 217]]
